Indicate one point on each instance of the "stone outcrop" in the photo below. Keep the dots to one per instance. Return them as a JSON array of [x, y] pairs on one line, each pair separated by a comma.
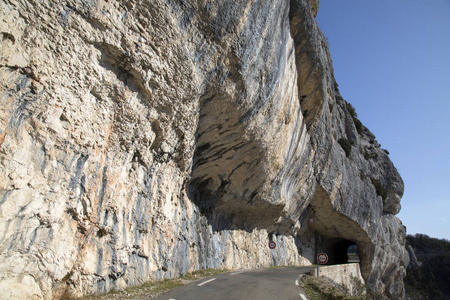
[[413, 261], [141, 140]]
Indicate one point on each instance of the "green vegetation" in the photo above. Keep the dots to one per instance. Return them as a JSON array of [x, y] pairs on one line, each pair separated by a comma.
[[158, 287], [358, 125], [346, 146], [203, 273], [381, 191], [362, 176], [153, 288], [352, 111], [421, 284], [360, 288], [277, 267], [282, 267], [430, 280], [370, 155], [319, 288], [422, 243]]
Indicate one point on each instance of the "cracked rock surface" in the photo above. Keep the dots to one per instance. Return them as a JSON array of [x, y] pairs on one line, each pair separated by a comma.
[[141, 140]]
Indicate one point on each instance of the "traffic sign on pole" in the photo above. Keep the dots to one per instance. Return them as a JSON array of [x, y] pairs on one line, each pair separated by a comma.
[[272, 245], [311, 220], [322, 258]]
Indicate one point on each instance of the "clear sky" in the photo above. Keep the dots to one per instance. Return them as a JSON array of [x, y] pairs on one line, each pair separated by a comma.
[[391, 60]]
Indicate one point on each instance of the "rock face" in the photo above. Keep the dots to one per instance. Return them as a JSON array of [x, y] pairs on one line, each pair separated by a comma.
[[141, 140]]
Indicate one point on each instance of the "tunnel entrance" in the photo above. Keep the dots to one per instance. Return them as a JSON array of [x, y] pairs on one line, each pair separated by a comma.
[[340, 251], [336, 233]]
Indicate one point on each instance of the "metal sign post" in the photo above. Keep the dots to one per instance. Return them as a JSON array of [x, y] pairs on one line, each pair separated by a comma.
[[322, 258]]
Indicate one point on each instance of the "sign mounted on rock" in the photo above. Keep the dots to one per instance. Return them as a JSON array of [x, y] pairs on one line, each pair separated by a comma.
[[272, 245]]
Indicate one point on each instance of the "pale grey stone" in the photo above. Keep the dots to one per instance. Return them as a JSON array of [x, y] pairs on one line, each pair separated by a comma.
[[144, 140]]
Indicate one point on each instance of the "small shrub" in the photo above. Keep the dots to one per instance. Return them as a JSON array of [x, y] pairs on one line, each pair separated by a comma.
[[102, 232], [359, 289], [346, 146], [381, 191], [362, 176], [358, 125], [351, 110], [368, 155], [354, 115]]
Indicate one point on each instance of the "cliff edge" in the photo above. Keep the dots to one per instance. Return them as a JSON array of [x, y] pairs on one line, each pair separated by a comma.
[[141, 140]]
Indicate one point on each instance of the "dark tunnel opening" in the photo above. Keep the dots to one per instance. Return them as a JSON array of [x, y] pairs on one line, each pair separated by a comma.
[[341, 251]]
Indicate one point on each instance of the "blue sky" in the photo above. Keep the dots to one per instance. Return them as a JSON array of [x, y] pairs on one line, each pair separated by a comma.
[[392, 62]]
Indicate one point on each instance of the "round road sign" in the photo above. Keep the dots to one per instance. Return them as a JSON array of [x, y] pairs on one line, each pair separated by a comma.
[[272, 245], [322, 258], [311, 220]]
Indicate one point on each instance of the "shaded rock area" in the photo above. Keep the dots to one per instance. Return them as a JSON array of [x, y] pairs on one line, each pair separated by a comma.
[[142, 140]]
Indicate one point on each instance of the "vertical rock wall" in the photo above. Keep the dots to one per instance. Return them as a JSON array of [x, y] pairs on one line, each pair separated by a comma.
[[142, 140]]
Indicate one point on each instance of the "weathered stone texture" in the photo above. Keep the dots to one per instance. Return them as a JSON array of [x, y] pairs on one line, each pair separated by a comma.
[[140, 140], [348, 275]]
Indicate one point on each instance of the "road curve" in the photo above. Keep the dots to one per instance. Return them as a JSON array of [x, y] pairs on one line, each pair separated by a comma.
[[264, 284]]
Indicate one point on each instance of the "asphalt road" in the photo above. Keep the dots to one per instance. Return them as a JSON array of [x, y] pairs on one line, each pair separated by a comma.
[[265, 284]]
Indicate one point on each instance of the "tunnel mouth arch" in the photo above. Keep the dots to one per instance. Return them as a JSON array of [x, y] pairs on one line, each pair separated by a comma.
[[340, 251], [335, 232]]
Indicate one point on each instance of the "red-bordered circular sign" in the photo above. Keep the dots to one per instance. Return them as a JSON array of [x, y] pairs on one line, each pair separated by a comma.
[[272, 245], [322, 258], [311, 220]]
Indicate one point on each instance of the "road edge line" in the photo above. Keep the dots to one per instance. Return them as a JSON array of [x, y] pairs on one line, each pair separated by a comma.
[[205, 282]]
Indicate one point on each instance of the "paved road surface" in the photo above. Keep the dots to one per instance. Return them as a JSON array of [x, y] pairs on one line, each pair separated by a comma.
[[265, 284]]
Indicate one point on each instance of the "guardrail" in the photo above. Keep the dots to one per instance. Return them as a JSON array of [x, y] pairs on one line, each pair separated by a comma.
[[348, 275]]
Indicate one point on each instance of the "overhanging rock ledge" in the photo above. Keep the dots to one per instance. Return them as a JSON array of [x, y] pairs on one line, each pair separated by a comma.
[[141, 140]]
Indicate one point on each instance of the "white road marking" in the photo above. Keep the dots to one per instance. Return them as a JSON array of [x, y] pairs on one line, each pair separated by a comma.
[[303, 297], [205, 282], [296, 281], [236, 273], [172, 299]]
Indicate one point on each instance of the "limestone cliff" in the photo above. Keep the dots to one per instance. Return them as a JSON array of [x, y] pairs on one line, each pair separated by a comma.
[[140, 140]]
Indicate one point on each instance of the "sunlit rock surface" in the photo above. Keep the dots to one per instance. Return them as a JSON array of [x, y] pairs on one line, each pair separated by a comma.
[[141, 140]]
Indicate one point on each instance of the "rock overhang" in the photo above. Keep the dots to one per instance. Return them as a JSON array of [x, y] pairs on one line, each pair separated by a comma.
[[238, 121]]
